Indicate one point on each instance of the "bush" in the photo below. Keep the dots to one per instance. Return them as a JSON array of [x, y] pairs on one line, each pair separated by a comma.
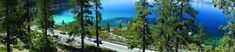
[[2, 48], [40, 44], [193, 47]]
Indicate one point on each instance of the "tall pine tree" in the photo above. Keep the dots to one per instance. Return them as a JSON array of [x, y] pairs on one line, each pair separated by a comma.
[[98, 15], [7, 40], [176, 24], [13, 23], [138, 27], [46, 20], [83, 10]]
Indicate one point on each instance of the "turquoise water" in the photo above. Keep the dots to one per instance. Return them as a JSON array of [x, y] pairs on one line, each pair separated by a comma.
[[110, 10], [64, 15], [121, 11]]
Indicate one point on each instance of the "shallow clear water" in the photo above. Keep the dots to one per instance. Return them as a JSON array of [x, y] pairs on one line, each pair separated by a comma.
[[121, 10]]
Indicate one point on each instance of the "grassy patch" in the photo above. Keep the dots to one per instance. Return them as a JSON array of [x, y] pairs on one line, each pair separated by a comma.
[[2, 48]]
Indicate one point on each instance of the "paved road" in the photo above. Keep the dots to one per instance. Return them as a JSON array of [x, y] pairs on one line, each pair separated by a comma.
[[117, 47]]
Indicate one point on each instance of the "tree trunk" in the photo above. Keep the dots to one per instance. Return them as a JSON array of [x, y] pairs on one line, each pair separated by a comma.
[[45, 24], [177, 44], [143, 41], [97, 28], [28, 15], [144, 27], [167, 48], [7, 27], [28, 20], [82, 28], [199, 49]]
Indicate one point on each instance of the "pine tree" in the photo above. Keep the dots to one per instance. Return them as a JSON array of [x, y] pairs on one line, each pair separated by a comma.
[[6, 2], [1, 10], [98, 17], [82, 9], [198, 37], [63, 23], [45, 12], [161, 27], [28, 12], [1, 15], [13, 23], [120, 25], [175, 22], [107, 27], [138, 27], [228, 9]]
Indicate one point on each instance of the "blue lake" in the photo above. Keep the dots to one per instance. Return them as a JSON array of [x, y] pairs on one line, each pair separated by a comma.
[[120, 11]]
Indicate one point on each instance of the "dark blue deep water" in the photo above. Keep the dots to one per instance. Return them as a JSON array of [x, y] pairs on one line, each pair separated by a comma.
[[120, 11]]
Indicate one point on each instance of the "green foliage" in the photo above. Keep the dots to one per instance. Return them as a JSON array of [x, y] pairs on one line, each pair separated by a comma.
[[19, 46], [98, 17], [139, 34], [120, 32], [2, 48], [227, 6], [44, 14], [104, 35], [63, 23], [98, 9], [120, 25], [40, 43], [36, 21], [70, 27], [107, 27], [82, 9], [14, 23], [1, 9], [44, 43], [224, 44], [193, 47], [92, 31], [176, 25], [1, 29], [225, 40]]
